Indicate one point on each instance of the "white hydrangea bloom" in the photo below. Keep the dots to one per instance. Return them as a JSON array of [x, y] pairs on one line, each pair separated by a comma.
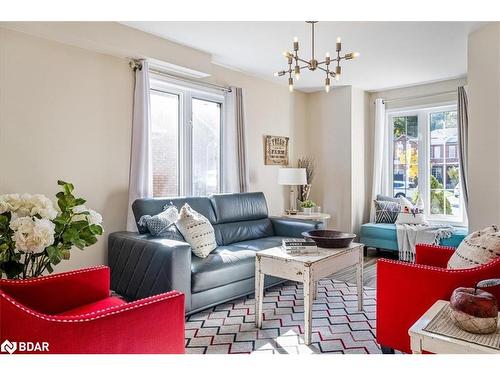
[[32, 234], [9, 203], [93, 217]]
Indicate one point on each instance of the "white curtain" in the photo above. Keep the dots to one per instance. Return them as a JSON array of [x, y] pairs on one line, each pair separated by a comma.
[[141, 172], [380, 184], [234, 164]]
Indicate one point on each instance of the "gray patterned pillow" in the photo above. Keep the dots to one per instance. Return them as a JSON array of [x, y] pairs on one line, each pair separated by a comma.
[[386, 211], [163, 224]]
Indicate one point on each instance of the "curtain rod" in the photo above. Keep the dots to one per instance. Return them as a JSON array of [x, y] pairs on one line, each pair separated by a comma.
[[188, 80], [420, 96]]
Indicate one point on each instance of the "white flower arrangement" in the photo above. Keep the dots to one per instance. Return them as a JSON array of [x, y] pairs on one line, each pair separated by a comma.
[[34, 234]]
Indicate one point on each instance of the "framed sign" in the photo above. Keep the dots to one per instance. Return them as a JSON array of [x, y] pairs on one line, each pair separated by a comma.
[[275, 150]]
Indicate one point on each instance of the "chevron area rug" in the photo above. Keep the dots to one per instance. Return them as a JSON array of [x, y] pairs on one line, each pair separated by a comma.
[[338, 327]]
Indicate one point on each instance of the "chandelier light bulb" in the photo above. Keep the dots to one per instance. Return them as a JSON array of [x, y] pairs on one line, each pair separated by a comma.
[[355, 54], [327, 84], [337, 77], [339, 39], [276, 74], [297, 72], [290, 84], [295, 39], [338, 45]]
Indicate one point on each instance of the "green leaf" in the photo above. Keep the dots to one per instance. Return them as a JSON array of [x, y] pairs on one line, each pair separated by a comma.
[[80, 201], [55, 255], [96, 229]]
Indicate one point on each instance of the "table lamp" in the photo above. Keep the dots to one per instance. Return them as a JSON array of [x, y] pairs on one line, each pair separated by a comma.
[[292, 177]]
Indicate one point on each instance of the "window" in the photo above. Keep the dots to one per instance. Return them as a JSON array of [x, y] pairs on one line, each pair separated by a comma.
[[425, 161], [186, 140]]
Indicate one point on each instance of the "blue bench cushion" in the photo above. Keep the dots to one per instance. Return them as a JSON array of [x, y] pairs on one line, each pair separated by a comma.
[[383, 236]]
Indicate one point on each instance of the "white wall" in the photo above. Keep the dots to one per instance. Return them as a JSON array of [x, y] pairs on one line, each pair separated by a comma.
[[484, 126], [65, 113]]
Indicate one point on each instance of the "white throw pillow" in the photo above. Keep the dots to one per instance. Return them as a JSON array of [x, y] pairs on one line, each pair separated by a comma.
[[477, 248], [197, 231], [409, 213]]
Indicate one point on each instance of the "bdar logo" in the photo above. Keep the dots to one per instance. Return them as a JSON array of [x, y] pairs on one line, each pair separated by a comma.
[[9, 347]]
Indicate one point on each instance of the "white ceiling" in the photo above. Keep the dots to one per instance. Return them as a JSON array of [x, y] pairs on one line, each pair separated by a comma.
[[393, 54]]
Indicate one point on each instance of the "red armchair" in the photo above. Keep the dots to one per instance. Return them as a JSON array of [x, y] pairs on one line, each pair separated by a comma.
[[406, 291], [74, 313]]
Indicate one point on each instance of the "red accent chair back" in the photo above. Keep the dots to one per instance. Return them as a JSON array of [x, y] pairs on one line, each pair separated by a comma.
[[405, 291], [74, 313]]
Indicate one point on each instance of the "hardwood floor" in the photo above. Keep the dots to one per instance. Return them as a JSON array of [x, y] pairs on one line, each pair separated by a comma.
[[369, 271]]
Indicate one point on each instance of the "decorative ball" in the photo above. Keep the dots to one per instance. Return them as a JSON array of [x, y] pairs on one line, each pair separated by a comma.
[[474, 310]]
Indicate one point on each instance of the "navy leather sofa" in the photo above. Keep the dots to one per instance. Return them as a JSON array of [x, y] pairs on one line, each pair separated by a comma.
[[143, 265]]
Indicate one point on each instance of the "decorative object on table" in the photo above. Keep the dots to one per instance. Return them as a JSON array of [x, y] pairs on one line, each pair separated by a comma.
[[298, 246], [307, 206], [386, 211], [330, 238], [292, 177], [435, 332], [313, 64], [275, 150], [475, 310], [35, 236], [163, 224], [197, 231], [410, 213], [308, 164], [477, 248]]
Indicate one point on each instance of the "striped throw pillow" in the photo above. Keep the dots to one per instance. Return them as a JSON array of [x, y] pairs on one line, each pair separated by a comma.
[[477, 248], [197, 231]]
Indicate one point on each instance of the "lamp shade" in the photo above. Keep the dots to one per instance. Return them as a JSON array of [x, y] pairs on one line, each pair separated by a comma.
[[292, 176]]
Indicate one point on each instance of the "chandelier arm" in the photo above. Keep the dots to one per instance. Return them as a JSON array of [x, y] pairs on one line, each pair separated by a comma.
[[302, 60]]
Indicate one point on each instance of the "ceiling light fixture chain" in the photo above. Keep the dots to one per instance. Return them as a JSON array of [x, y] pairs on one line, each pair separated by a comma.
[[313, 64]]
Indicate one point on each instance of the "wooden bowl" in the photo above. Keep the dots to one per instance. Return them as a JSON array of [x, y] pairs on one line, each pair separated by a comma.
[[330, 238]]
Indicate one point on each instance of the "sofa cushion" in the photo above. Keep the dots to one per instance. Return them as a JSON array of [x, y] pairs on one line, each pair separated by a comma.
[[153, 206], [383, 236], [228, 264], [239, 207], [229, 233]]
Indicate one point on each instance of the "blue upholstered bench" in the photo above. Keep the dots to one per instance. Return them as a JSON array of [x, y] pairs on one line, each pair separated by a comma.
[[383, 236]]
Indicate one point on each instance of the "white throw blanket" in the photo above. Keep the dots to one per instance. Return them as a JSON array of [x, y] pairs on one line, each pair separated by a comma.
[[410, 234]]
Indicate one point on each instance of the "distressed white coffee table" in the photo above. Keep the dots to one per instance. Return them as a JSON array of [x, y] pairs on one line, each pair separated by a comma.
[[307, 269]]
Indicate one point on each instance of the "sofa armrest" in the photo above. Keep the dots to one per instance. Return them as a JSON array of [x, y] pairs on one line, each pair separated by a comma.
[[143, 265], [294, 227], [433, 255], [58, 292]]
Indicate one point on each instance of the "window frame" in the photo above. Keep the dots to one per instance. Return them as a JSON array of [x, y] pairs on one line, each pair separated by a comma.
[[187, 93], [423, 113]]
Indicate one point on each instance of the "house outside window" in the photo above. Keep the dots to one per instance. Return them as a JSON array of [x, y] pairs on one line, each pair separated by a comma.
[[425, 160], [186, 134]]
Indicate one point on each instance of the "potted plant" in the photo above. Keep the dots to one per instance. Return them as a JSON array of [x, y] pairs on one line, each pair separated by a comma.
[[307, 206], [35, 235]]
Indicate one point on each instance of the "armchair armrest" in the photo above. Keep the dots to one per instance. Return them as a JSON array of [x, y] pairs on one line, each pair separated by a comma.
[[150, 325], [433, 255], [143, 265], [61, 291], [294, 227]]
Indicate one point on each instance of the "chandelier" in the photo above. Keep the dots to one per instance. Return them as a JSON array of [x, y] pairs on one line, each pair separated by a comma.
[[295, 67]]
